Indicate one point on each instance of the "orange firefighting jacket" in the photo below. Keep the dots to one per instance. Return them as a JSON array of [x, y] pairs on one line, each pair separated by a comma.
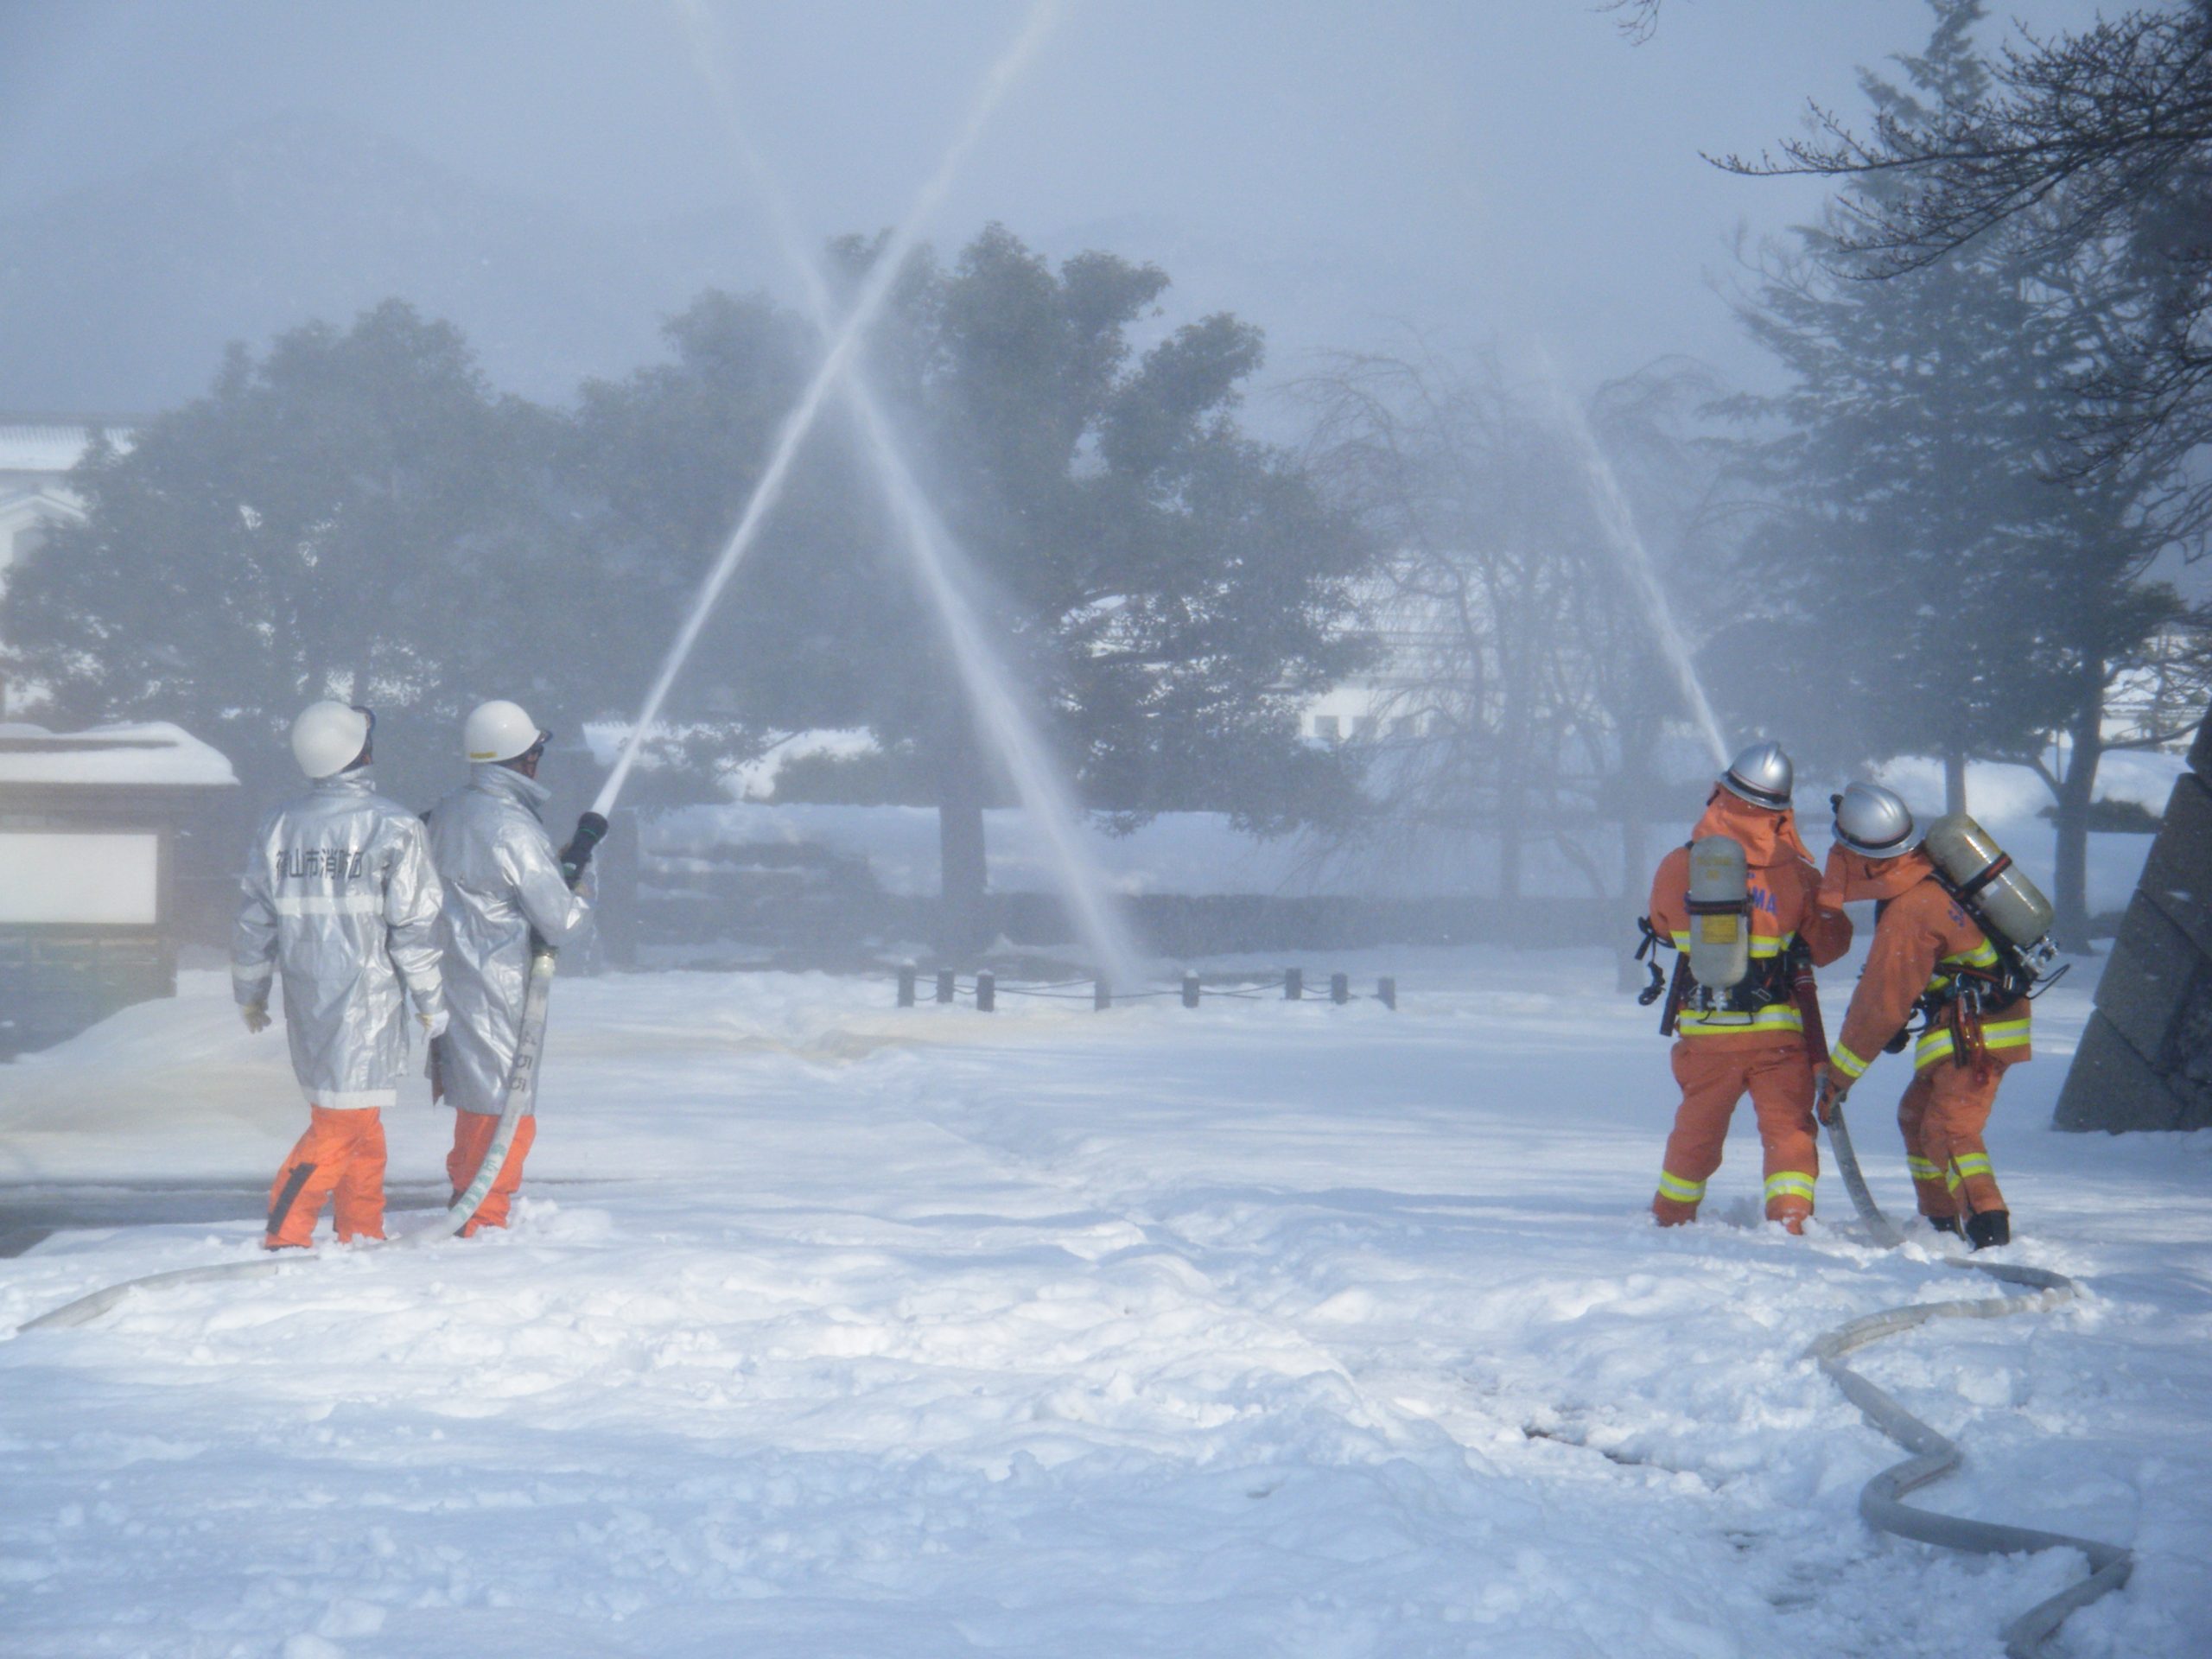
[[1785, 902], [1921, 943]]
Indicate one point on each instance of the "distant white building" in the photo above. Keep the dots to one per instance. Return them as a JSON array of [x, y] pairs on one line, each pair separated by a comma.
[[1413, 647], [92, 903], [36, 455]]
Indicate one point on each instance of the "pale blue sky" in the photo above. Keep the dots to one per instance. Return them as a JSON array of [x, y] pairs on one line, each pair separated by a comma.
[[1497, 168]]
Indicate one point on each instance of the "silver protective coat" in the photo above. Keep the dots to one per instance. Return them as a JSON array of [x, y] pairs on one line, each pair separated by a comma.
[[502, 881], [340, 898]]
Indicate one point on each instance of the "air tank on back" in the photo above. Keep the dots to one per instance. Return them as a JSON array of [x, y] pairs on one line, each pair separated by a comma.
[[1984, 875], [1720, 912]]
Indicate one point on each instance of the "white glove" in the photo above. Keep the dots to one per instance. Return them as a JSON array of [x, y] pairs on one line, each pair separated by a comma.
[[434, 1024], [256, 1015]]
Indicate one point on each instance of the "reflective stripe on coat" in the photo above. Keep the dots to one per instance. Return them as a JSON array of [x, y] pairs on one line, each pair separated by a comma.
[[502, 879], [1920, 942], [339, 898]]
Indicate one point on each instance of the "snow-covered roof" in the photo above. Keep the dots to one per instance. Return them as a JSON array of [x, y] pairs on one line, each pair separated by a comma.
[[50, 446], [41, 500], [155, 754]]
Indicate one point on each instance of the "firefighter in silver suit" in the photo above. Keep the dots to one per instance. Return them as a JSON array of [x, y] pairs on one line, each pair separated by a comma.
[[503, 884], [340, 898]]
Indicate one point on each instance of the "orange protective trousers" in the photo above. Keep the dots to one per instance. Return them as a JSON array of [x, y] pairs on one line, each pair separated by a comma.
[[1714, 1075], [342, 1155], [472, 1138], [1943, 1115]]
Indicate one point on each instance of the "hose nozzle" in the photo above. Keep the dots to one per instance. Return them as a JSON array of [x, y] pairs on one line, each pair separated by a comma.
[[591, 830]]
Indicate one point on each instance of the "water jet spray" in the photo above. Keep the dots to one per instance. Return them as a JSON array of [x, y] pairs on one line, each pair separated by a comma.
[[843, 343], [947, 575], [1617, 521]]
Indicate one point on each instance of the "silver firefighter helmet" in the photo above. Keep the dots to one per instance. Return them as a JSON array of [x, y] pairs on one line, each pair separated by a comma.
[[1873, 821], [1761, 775]]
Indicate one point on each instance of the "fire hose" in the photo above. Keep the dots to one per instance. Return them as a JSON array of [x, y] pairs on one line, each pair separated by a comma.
[[521, 1092], [1881, 1503]]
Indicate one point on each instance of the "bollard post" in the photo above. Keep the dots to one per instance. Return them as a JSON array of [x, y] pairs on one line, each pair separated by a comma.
[[987, 992], [945, 984], [1339, 988], [1189, 990], [906, 974], [1102, 995], [1294, 985], [1386, 992]]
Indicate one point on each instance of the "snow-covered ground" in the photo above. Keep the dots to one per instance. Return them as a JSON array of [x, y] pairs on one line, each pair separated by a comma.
[[832, 1328]]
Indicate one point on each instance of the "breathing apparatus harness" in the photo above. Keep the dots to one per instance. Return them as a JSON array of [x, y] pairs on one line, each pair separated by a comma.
[[1760, 982], [1771, 980], [1968, 995]]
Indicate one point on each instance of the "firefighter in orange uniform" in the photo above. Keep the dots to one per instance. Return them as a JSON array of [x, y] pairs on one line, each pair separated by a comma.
[[1756, 1042], [1927, 951]]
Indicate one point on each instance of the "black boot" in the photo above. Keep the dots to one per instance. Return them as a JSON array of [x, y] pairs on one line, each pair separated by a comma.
[[1943, 1225], [1988, 1227]]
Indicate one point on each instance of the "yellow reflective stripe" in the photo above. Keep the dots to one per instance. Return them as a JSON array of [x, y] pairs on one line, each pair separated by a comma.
[[1762, 945], [1982, 956], [1922, 1169], [1682, 1191], [1847, 1062], [1768, 944], [1776, 1016], [1964, 1168], [1938, 1044], [1789, 1184]]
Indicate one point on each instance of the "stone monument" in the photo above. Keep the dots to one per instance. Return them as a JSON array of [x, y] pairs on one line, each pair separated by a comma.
[[2146, 1059]]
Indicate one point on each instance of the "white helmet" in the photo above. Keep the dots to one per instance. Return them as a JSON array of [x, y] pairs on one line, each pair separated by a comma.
[[499, 730], [1873, 821], [329, 737]]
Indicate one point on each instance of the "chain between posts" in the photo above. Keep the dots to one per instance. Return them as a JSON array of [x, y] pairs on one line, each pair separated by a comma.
[[983, 990]]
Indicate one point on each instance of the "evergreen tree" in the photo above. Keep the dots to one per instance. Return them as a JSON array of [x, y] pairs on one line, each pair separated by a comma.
[[1937, 575], [2094, 141], [1168, 589], [354, 514]]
